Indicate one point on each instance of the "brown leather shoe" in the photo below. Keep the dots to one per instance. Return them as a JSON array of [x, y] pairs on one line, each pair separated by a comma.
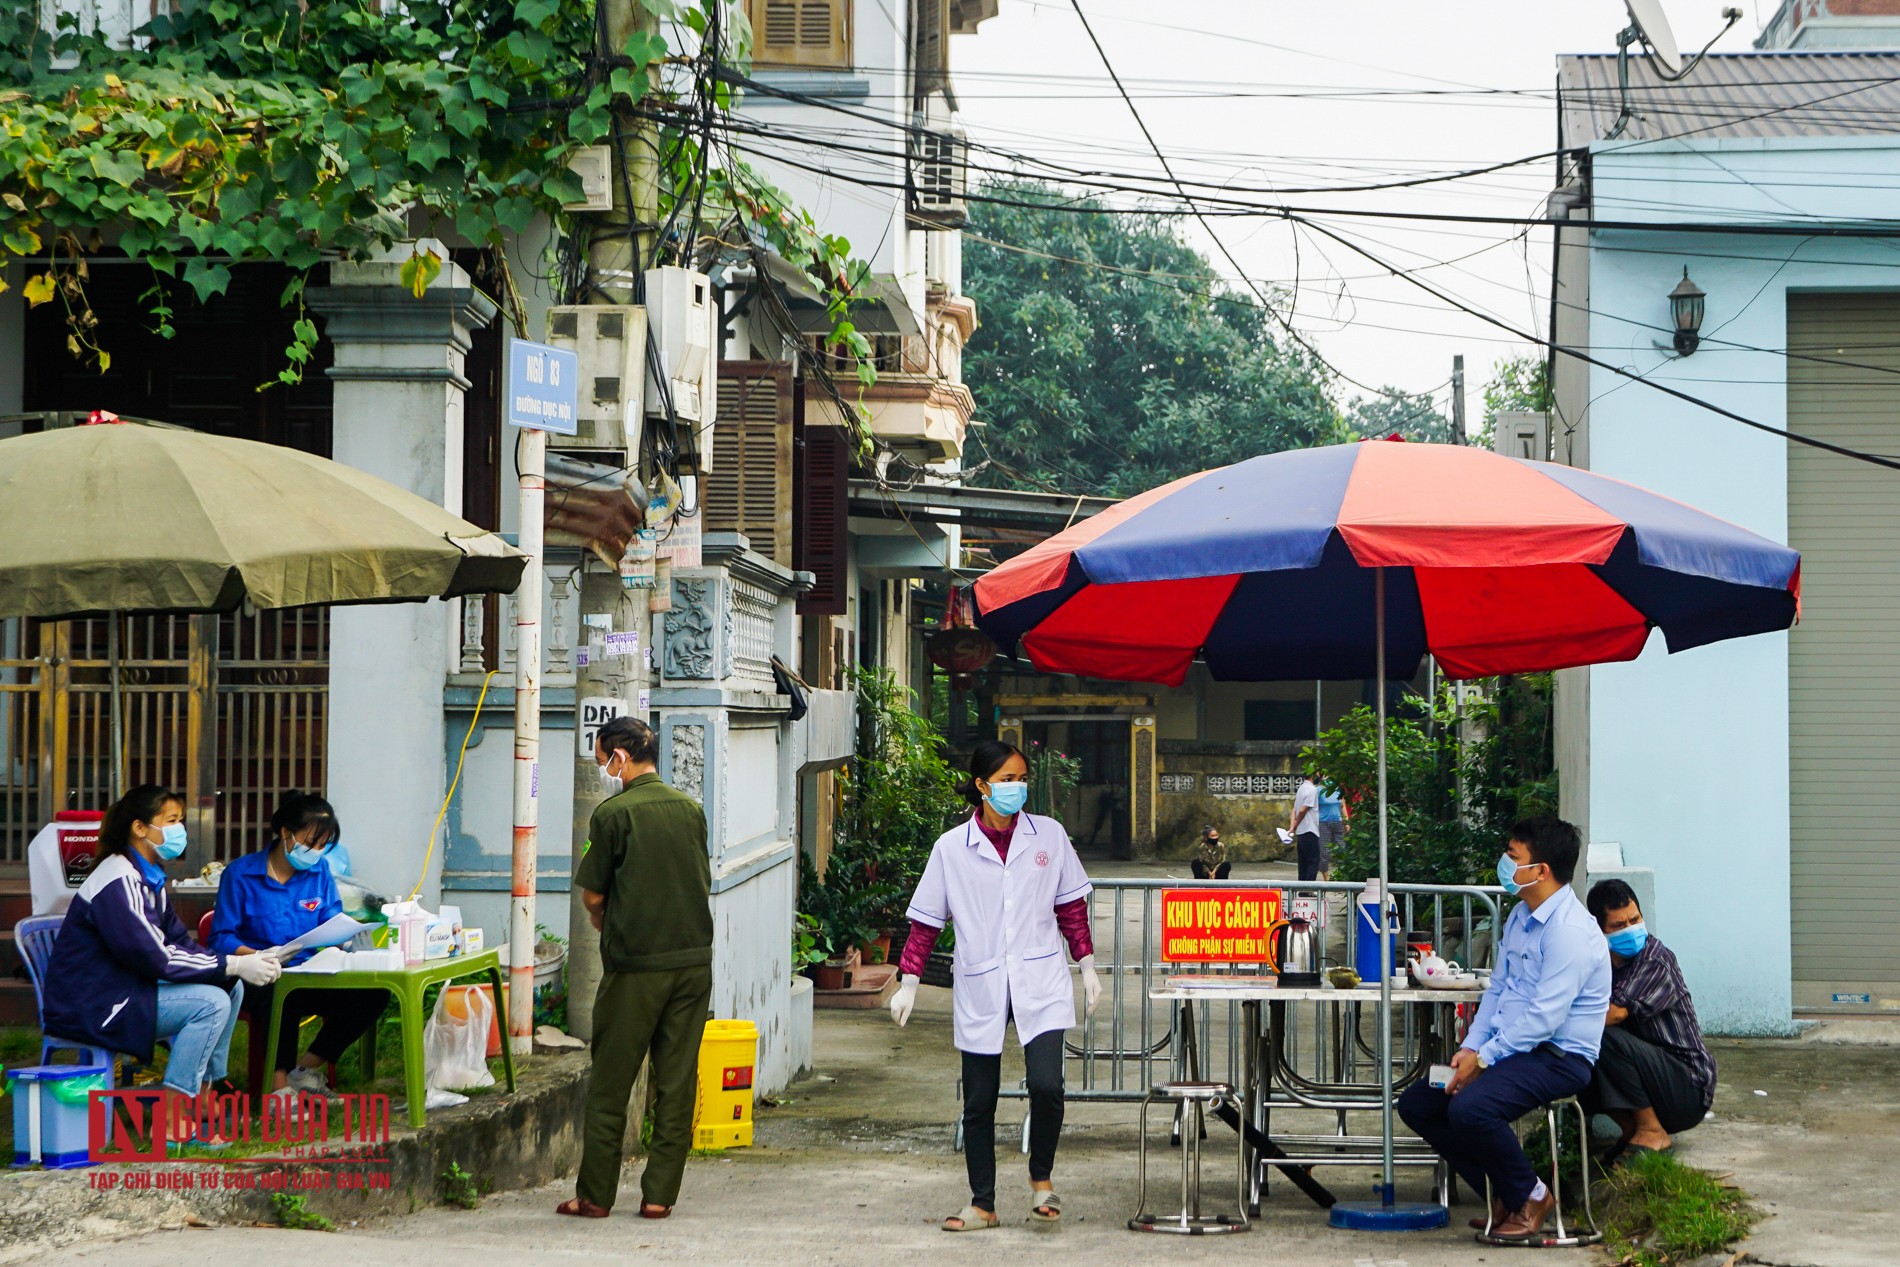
[[1498, 1215], [1528, 1221]]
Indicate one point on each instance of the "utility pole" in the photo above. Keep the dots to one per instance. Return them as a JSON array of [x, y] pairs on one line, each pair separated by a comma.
[[531, 471], [621, 248], [1458, 400]]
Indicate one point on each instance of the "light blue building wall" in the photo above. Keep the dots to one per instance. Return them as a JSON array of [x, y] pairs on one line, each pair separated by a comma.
[[1688, 761]]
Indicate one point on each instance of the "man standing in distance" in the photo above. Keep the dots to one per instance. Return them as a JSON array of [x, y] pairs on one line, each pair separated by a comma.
[[647, 887], [1314, 862]]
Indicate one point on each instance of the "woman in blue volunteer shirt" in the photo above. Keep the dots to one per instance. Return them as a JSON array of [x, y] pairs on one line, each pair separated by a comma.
[[270, 898], [125, 972]]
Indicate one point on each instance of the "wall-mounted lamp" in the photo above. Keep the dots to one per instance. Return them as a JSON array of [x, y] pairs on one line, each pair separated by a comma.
[[1685, 305]]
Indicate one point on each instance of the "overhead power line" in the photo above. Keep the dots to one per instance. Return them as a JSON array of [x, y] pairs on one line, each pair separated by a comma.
[[1565, 350]]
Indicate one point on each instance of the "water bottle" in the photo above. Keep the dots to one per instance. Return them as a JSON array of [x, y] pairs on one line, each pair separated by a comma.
[[1366, 948]]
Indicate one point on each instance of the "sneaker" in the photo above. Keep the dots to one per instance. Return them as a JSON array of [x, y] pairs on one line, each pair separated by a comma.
[[308, 1082]]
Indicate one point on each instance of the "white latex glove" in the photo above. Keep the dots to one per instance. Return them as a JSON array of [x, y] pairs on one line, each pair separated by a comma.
[[905, 999], [1091, 986], [253, 969]]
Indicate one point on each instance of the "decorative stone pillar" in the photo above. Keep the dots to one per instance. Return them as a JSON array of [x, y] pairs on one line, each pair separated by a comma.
[[1143, 785], [397, 413], [726, 739]]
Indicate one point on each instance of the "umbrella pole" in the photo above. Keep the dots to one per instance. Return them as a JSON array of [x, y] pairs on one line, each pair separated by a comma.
[[1386, 1214], [1385, 925], [116, 763]]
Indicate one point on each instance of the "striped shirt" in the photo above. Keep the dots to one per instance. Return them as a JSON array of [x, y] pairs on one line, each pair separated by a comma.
[[1661, 1012]]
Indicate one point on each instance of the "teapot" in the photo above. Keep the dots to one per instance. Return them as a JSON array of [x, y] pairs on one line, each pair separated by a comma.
[[1431, 967]]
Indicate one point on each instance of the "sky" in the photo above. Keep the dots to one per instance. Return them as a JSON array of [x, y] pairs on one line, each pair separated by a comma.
[[1268, 94]]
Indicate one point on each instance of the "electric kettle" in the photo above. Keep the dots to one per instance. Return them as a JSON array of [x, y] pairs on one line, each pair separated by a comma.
[[1297, 952]]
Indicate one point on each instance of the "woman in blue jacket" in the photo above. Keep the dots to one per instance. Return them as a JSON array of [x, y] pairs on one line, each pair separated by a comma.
[[269, 898], [125, 972]]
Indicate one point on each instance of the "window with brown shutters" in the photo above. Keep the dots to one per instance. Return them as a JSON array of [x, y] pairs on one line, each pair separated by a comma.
[[825, 464], [750, 488], [801, 32]]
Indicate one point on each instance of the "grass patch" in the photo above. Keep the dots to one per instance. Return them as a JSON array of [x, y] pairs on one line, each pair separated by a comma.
[[459, 1187], [1657, 1211], [294, 1214]]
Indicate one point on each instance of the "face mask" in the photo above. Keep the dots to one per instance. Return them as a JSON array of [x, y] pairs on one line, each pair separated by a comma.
[[610, 784], [1508, 867], [304, 857], [173, 843], [1628, 942], [1008, 798]]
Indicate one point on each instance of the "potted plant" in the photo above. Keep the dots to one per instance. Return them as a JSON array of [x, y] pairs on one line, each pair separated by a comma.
[[843, 908]]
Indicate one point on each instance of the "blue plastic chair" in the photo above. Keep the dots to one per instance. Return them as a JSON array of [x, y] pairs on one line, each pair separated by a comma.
[[35, 935]]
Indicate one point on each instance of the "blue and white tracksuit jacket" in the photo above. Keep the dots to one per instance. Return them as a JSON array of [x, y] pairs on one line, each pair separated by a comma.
[[120, 939]]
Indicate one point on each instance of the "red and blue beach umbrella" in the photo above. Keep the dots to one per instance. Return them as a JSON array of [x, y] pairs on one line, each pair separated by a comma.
[[1266, 571]]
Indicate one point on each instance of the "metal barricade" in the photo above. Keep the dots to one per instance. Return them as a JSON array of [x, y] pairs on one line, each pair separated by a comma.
[[1131, 1043]]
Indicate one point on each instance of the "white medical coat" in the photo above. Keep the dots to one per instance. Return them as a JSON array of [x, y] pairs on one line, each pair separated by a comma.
[[1009, 958]]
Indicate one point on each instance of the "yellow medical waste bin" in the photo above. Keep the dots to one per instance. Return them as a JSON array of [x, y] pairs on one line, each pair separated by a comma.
[[722, 1112]]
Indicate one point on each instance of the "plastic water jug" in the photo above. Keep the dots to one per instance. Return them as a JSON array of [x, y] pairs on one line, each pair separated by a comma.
[[1366, 949]]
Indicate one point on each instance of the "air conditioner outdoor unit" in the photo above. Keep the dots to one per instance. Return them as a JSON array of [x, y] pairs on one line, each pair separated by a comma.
[[684, 310], [940, 167], [610, 341], [1519, 433]]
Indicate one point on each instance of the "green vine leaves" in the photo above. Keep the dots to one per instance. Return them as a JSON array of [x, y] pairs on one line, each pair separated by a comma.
[[247, 130]]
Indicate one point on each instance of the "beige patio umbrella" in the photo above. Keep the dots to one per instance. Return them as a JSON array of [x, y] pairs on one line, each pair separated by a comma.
[[107, 519]]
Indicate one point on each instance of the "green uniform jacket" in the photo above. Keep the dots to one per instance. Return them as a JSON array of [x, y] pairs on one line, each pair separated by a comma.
[[646, 850]]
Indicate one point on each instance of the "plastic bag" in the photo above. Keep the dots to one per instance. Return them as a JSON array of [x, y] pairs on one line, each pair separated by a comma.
[[72, 1090], [455, 1049]]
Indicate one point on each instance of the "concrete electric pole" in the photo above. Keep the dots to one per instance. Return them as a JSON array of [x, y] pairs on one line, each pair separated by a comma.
[[621, 248], [1458, 400]]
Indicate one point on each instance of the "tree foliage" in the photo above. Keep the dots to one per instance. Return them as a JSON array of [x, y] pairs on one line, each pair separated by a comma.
[[1518, 383], [1396, 412], [241, 130], [1112, 357], [1457, 777]]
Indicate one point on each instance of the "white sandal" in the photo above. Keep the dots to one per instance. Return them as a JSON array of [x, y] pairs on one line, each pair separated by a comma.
[[1040, 1201], [973, 1220]]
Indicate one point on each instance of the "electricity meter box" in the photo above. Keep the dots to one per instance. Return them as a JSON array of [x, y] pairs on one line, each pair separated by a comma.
[[684, 312], [611, 342]]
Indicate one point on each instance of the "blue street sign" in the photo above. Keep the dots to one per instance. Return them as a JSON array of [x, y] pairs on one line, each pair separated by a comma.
[[543, 387]]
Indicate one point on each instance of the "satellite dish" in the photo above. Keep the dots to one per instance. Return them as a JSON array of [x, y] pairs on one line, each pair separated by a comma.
[[1652, 27]]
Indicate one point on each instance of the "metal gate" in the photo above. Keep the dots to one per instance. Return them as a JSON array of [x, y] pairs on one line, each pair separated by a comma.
[[229, 710]]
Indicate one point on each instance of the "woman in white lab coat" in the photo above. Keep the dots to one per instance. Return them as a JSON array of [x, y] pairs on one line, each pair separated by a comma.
[[1016, 890]]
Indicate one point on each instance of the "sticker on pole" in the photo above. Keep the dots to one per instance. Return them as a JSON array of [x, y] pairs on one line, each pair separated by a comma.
[[1218, 925], [596, 711], [543, 387]]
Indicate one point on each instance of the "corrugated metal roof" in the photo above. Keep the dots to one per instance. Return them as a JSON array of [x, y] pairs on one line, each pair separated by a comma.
[[1793, 94]]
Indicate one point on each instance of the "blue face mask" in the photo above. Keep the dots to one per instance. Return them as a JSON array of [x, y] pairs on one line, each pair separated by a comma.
[[173, 844], [1627, 943], [303, 857], [1508, 867], [1008, 798]]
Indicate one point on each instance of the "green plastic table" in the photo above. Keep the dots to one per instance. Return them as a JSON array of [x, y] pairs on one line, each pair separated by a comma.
[[407, 984]]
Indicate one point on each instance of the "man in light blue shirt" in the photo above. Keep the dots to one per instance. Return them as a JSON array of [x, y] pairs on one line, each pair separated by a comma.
[[1536, 1035]]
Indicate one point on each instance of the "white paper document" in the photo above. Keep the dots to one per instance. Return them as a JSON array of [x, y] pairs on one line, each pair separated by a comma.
[[331, 932], [329, 959]]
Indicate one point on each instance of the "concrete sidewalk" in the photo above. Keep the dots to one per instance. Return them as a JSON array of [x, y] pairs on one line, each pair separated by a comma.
[[856, 1168]]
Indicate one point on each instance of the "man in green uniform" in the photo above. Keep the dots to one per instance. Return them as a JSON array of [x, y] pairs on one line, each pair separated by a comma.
[[647, 886]]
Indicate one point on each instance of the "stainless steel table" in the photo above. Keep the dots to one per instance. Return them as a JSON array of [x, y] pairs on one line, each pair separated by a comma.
[[1269, 1076]]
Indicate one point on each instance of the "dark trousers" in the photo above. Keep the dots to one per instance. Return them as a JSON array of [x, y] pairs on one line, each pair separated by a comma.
[[346, 1015], [1312, 855], [639, 1016], [982, 1079], [1218, 873], [1472, 1130], [1633, 1073]]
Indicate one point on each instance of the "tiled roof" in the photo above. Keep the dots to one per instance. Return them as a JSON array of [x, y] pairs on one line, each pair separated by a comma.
[[1735, 95]]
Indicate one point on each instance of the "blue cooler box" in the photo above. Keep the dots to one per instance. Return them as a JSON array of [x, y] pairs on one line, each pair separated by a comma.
[[49, 1113]]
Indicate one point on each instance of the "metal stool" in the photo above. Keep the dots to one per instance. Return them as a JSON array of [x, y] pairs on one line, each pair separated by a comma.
[[1190, 1221], [1566, 1237]]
